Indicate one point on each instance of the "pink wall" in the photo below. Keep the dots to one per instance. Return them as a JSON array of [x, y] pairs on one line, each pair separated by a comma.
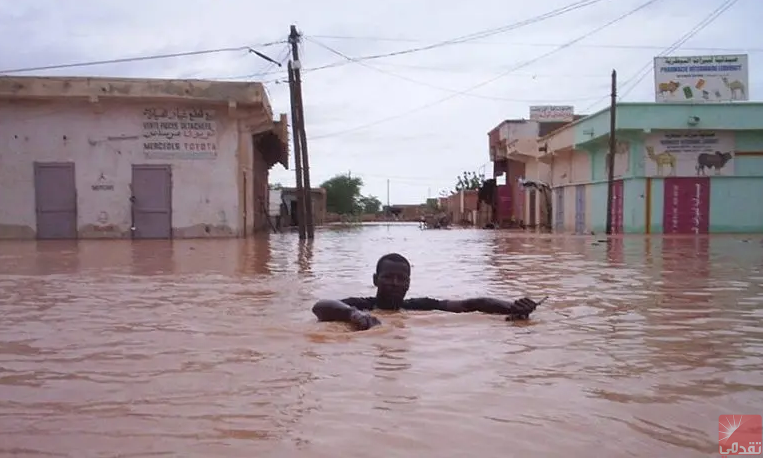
[[573, 167]]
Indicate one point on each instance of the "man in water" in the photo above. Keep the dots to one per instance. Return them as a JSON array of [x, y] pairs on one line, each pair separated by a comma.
[[392, 279]]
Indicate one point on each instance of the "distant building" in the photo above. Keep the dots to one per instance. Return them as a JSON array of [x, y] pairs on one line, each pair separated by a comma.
[[289, 215], [513, 150], [140, 158]]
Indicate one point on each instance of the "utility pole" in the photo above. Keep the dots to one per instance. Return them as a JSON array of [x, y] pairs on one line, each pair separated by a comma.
[[387, 193], [297, 157], [300, 122], [612, 147]]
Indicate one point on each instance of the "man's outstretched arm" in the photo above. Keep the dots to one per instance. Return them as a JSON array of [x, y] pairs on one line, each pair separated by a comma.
[[341, 311], [520, 309]]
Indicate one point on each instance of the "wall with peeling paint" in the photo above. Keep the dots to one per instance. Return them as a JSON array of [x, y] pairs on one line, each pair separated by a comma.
[[104, 140]]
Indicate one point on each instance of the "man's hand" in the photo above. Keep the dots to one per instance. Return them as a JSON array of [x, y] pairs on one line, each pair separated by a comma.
[[521, 309], [363, 320]]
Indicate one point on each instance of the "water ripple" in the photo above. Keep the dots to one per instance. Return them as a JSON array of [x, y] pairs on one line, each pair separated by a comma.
[[168, 348]]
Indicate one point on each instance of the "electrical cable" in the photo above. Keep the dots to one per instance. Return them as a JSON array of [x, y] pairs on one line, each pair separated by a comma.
[[473, 36], [546, 45], [640, 74], [422, 83], [709, 19], [484, 83], [142, 58], [453, 41]]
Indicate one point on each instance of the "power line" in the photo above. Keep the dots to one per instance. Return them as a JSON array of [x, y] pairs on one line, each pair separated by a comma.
[[640, 74], [544, 45], [484, 83], [423, 83], [473, 36], [453, 41], [535, 44], [709, 19], [145, 58]]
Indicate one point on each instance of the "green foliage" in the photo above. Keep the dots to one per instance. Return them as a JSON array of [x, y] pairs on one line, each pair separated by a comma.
[[275, 186], [370, 204], [343, 194], [470, 181]]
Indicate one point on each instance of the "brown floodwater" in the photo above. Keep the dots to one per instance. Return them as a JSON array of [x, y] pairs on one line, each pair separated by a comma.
[[209, 348]]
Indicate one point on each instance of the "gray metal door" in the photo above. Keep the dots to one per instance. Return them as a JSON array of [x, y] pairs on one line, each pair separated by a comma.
[[152, 201], [580, 209], [55, 192]]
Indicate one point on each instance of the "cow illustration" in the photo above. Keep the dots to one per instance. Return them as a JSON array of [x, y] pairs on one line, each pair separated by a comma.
[[712, 161]]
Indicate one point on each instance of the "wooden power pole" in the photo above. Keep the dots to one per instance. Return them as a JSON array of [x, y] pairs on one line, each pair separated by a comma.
[[297, 157], [299, 128], [612, 148]]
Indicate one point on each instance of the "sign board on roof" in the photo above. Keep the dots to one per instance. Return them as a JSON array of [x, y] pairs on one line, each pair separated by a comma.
[[701, 79], [552, 113]]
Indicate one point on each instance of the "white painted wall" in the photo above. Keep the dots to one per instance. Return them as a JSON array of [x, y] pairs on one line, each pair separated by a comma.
[[205, 191]]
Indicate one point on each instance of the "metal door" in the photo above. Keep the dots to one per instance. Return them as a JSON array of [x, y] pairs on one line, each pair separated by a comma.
[[152, 201], [55, 192], [686, 208], [559, 224], [580, 209], [533, 209]]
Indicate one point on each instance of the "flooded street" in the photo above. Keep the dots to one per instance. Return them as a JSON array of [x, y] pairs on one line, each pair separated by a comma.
[[209, 347]]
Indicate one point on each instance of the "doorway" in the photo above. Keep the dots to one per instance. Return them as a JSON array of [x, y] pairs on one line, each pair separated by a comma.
[[55, 191], [152, 201]]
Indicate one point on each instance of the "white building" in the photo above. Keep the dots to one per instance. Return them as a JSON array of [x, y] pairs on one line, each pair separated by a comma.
[[120, 158]]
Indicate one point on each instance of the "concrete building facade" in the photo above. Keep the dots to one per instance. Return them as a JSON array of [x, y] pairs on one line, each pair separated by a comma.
[[121, 158], [514, 153], [679, 169]]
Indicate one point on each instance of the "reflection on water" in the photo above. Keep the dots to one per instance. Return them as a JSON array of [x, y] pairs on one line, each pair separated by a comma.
[[200, 347]]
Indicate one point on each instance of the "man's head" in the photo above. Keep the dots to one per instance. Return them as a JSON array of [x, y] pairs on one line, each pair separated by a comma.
[[392, 279]]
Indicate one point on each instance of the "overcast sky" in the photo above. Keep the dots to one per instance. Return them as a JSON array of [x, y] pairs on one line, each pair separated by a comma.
[[368, 118]]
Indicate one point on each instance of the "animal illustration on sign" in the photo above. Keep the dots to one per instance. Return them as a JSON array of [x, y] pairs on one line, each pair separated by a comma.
[[734, 86], [669, 87], [715, 161], [663, 159]]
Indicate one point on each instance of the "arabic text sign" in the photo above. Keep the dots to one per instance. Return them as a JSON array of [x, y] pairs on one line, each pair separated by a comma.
[[552, 113], [689, 153], [740, 434], [699, 79], [686, 207], [179, 133]]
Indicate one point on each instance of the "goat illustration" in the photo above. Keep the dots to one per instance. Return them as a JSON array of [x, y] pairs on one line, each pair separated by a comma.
[[715, 161]]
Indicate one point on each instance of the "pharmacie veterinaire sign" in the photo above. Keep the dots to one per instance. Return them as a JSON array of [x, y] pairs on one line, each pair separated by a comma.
[[699, 79]]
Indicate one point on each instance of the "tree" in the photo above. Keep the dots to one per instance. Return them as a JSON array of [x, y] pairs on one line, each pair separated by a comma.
[[343, 194], [275, 186], [370, 204], [470, 181]]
